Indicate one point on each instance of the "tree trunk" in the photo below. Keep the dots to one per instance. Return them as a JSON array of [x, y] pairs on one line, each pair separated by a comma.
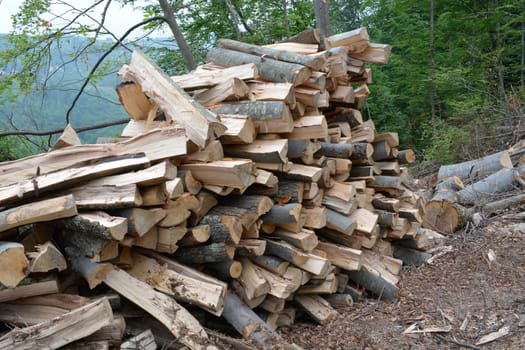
[[323, 21], [169, 15]]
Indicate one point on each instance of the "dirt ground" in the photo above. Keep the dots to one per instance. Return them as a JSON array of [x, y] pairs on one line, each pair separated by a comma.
[[465, 296]]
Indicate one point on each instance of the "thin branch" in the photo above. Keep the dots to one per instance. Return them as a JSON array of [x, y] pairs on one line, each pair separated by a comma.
[[58, 131], [103, 57]]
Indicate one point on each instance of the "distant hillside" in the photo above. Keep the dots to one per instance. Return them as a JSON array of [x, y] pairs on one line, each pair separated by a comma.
[[46, 109]]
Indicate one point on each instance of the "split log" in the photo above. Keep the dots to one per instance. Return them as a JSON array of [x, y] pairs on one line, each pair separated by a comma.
[[271, 263], [195, 236], [29, 287], [315, 264], [156, 144], [134, 101], [339, 222], [99, 223], [241, 129], [231, 89], [314, 62], [139, 220], [365, 220], [346, 258], [254, 283], [37, 309], [105, 196], [93, 273], [281, 214], [336, 150], [374, 283], [267, 116], [68, 138], [231, 173], [406, 156], [154, 175], [305, 239], [12, 255], [315, 217], [209, 253], [341, 198], [223, 228], [309, 127], [477, 168], [280, 286], [63, 178], [226, 270], [58, 332], [304, 173], [264, 151], [46, 258], [410, 256], [269, 69], [266, 91], [307, 36], [199, 123], [212, 152], [41, 211], [182, 282], [316, 307], [339, 300], [203, 77], [374, 53], [164, 308], [143, 341], [250, 247], [168, 238], [286, 252], [386, 203]]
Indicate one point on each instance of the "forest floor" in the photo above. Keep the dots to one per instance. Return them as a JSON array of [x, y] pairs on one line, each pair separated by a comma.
[[456, 302]]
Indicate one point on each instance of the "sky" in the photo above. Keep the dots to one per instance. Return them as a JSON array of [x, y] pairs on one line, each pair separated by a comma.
[[119, 20]]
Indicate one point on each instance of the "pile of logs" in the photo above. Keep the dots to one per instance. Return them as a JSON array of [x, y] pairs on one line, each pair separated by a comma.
[[472, 190], [248, 189]]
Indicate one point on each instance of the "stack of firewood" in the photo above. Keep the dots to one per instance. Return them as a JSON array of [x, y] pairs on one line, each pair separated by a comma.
[[247, 188]]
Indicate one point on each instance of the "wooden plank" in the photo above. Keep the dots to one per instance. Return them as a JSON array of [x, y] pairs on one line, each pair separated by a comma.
[[199, 123]]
